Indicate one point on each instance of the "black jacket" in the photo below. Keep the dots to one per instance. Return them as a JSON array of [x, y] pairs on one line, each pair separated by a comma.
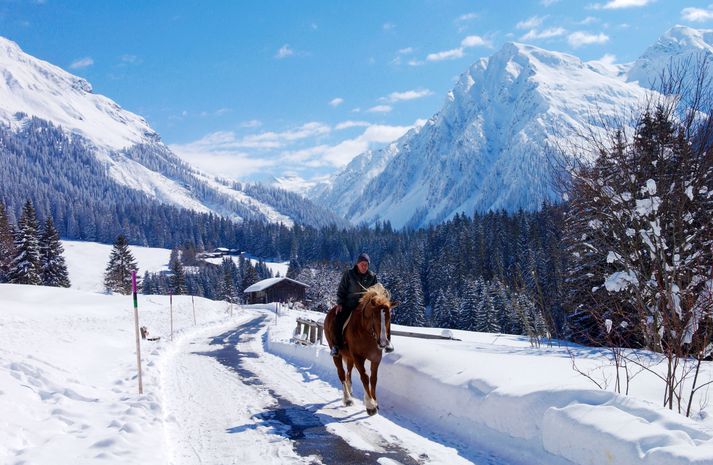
[[352, 287]]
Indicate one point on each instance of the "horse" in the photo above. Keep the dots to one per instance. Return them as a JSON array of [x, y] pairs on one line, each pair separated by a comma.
[[366, 335]]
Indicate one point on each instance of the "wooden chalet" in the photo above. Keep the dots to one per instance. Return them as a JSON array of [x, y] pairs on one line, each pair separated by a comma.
[[275, 290]]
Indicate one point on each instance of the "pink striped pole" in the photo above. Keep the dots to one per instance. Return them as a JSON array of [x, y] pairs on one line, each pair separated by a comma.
[[136, 327]]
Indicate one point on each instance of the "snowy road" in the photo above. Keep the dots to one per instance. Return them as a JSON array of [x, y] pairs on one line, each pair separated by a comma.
[[230, 402]]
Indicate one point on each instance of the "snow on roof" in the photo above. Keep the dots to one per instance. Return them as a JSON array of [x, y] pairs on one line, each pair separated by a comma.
[[265, 283]]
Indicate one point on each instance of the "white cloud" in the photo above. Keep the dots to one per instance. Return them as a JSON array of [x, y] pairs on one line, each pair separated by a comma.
[[253, 123], [300, 151], [474, 41], [218, 112], [530, 23], [589, 20], [405, 51], [534, 34], [548, 2], [697, 15], [579, 38], [130, 59], [335, 102], [416, 62], [454, 53], [220, 161], [380, 109], [608, 59], [467, 17], [82, 63], [343, 152], [619, 4], [445, 55], [228, 141], [389, 26], [305, 131], [407, 95], [284, 52], [351, 124]]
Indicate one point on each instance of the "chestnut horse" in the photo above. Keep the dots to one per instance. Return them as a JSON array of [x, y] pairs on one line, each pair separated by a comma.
[[366, 335]]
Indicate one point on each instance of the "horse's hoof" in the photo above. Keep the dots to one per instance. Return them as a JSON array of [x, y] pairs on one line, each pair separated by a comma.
[[349, 403], [371, 411]]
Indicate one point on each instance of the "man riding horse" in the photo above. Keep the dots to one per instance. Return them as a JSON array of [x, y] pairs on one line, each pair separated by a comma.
[[355, 281]]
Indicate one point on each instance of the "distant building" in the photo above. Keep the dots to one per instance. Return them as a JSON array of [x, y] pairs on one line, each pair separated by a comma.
[[275, 290]]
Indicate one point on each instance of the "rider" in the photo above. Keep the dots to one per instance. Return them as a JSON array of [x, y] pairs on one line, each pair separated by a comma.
[[353, 284]]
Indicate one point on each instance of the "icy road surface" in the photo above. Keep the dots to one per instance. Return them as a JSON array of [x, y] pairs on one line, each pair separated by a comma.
[[230, 402]]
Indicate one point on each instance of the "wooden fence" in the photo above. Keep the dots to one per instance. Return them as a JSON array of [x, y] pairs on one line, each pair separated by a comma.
[[312, 332]]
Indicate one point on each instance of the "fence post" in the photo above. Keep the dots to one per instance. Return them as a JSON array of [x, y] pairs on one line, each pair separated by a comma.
[[170, 304], [136, 325], [193, 302]]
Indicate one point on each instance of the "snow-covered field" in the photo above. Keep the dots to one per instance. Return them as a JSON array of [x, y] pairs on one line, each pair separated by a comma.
[[68, 386], [232, 387], [86, 262]]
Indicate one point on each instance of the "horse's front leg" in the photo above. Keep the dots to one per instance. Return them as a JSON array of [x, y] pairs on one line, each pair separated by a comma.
[[373, 379], [350, 367], [369, 402], [346, 381]]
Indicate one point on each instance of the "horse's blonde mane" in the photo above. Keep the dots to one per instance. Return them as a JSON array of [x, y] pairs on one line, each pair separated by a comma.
[[377, 294]]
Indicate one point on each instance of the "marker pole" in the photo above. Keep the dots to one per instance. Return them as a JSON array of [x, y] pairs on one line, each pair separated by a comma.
[[170, 304], [136, 327]]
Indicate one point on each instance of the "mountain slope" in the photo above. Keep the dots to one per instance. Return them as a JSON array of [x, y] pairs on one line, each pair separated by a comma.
[[130, 151], [680, 45], [487, 148]]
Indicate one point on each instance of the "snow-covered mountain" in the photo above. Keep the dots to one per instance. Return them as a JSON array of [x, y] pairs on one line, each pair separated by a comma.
[[679, 45], [129, 148], [487, 148]]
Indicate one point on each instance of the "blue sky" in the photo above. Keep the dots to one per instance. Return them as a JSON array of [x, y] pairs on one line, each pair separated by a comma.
[[258, 89]]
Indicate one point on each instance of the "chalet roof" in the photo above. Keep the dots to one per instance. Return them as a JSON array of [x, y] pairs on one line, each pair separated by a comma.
[[269, 282]]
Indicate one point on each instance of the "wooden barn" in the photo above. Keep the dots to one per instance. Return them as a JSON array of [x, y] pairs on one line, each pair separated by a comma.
[[275, 290]]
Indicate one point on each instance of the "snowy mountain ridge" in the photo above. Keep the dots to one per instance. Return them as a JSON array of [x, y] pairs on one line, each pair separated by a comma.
[[32, 87], [487, 148], [124, 142]]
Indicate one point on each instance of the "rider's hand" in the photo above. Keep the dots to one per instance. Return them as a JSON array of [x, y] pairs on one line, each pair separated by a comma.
[[338, 308]]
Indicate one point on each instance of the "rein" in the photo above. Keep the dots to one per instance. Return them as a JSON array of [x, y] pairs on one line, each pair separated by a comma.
[[372, 327]]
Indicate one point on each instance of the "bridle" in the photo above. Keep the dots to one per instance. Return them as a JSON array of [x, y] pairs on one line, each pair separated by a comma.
[[372, 321]]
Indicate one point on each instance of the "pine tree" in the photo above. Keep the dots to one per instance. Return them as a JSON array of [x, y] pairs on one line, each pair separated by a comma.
[[411, 310], [178, 276], [53, 269], [147, 284], [7, 244], [250, 276], [486, 314], [117, 277], [25, 266], [227, 290], [469, 305], [293, 270]]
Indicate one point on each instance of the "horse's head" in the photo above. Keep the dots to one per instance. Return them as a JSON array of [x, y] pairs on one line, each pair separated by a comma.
[[376, 307]]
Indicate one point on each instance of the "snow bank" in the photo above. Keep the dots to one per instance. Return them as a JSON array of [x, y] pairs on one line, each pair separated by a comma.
[[524, 404], [68, 377]]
